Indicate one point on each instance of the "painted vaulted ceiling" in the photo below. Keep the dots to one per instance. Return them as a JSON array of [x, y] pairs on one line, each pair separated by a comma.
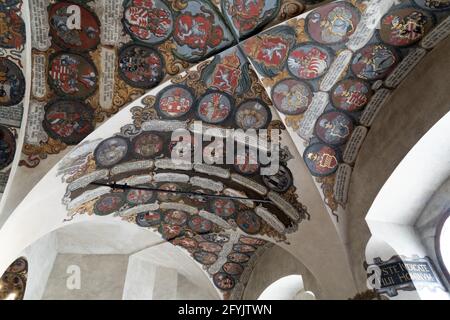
[[91, 92]]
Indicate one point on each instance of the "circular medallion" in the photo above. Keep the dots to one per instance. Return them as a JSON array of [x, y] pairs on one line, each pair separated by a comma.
[[7, 147], [248, 221], [139, 196], [73, 26], [199, 30], [291, 96], [198, 200], [246, 164], [205, 258], [174, 101], [12, 83], [187, 243], [308, 61], [246, 17], [223, 281], [321, 160], [140, 66], [12, 29], [147, 145], [223, 207], [243, 248], [108, 204], [334, 127], [210, 246], [405, 26], [351, 95], [232, 268], [72, 75], [148, 219], [111, 151], [69, 121], [147, 21], [169, 196], [199, 224], [214, 107], [175, 217], [252, 114], [214, 237], [434, 5], [332, 23], [252, 241], [170, 231], [279, 182], [374, 62], [238, 257]]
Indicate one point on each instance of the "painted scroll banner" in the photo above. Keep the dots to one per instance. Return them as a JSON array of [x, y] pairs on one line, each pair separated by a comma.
[[342, 183], [132, 166], [270, 219], [226, 250], [354, 144], [405, 67], [87, 196], [11, 116], [3, 180], [215, 219], [106, 87], [369, 21], [111, 22], [35, 133], [39, 80], [39, 24], [438, 34], [336, 70], [316, 108], [375, 104]]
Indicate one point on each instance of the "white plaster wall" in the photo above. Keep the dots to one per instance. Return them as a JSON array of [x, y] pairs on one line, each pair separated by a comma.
[[41, 256], [398, 205], [187, 290], [104, 237], [166, 284], [274, 264], [102, 277], [140, 280], [168, 256], [148, 281]]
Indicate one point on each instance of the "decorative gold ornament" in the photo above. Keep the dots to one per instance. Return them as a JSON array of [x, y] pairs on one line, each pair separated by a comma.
[[293, 198], [88, 167], [85, 208], [173, 65], [299, 26], [178, 5], [52, 146], [270, 82], [327, 186], [294, 121], [288, 10]]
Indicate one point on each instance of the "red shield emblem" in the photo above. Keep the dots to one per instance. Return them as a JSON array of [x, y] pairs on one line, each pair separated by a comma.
[[245, 13], [226, 78], [197, 31], [269, 50]]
